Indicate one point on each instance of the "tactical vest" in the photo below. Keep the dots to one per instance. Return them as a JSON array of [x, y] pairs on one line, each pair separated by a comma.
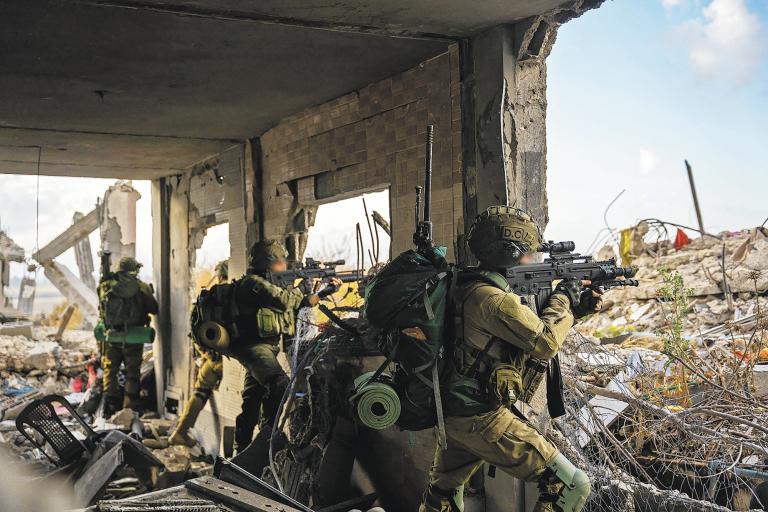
[[503, 380], [262, 324], [244, 322]]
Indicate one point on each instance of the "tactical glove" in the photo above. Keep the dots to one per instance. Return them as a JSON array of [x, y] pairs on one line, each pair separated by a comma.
[[307, 285], [584, 301], [330, 289]]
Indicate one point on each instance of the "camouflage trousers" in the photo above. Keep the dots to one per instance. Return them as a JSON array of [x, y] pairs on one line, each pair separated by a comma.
[[499, 438], [265, 383], [113, 356]]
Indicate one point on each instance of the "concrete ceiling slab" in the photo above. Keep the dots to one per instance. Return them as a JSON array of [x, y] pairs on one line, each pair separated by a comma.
[[100, 155], [154, 91], [451, 18], [144, 88]]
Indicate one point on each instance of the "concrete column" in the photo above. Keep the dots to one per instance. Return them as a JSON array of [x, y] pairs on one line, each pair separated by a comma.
[[118, 221], [504, 117], [161, 267]]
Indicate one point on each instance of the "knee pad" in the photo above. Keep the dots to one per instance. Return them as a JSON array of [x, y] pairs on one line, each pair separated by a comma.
[[575, 484]]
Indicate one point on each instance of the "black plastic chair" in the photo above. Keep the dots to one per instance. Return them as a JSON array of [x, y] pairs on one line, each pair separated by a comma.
[[41, 416]]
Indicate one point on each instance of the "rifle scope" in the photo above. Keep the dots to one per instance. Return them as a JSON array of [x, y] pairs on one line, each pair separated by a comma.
[[557, 247]]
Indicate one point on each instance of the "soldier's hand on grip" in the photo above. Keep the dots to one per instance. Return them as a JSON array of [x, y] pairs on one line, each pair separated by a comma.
[[307, 285], [584, 300]]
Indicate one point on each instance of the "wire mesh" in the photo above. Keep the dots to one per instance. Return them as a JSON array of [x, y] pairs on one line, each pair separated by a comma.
[[663, 432]]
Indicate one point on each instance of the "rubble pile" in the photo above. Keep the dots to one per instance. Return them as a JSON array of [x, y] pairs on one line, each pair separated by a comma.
[[667, 390], [35, 366], [743, 256]]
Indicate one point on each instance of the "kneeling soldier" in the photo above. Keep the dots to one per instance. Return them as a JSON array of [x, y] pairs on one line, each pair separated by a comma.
[[488, 313]]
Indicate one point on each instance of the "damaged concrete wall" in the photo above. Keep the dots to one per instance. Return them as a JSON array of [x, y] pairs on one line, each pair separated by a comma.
[[188, 204], [504, 84], [369, 139]]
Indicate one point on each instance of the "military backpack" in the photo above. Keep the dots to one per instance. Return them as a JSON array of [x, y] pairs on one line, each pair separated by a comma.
[[410, 301], [214, 316], [123, 314]]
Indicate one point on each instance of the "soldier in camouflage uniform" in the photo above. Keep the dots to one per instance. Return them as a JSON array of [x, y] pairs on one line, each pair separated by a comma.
[[137, 302], [489, 313], [208, 378], [267, 313]]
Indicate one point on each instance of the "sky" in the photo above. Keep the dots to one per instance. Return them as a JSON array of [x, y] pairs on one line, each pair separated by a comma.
[[638, 86], [634, 88]]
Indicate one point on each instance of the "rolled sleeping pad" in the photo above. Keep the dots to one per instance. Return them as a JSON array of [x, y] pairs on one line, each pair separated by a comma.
[[134, 335], [378, 405], [213, 335]]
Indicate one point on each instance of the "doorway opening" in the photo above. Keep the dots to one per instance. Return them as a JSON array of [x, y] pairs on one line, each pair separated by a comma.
[[213, 252]]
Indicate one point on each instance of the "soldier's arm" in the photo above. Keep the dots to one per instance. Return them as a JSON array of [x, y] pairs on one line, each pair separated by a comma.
[[272, 295], [507, 318]]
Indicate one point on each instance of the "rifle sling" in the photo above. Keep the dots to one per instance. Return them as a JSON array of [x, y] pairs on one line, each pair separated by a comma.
[[338, 321]]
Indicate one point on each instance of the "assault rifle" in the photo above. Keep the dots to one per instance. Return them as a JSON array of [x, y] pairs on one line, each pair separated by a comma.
[[106, 271], [536, 279], [312, 270]]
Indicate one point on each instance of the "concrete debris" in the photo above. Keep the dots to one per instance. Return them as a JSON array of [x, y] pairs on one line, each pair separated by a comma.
[[667, 388], [16, 329]]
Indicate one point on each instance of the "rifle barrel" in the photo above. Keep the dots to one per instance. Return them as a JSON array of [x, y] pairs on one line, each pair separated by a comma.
[[428, 174]]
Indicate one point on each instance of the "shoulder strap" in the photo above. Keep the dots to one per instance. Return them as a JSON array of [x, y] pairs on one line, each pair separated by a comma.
[[485, 276]]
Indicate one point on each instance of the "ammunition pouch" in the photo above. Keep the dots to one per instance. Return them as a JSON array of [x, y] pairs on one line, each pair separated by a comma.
[[533, 375], [271, 323], [465, 396], [503, 383]]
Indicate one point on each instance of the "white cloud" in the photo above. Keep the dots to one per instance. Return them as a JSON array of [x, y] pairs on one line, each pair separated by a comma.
[[671, 4], [726, 42], [647, 161]]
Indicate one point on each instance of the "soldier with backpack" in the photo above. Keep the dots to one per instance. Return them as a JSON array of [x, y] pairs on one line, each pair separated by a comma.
[[267, 315], [125, 303], [496, 334], [247, 319], [209, 376]]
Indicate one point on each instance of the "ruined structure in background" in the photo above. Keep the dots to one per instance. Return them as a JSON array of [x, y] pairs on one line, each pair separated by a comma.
[[667, 390], [10, 252], [115, 218]]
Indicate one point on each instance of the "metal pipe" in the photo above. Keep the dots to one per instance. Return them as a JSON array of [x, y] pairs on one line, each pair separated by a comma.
[[695, 197]]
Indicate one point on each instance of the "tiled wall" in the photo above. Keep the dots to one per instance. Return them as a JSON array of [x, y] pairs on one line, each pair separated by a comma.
[[369, 139]]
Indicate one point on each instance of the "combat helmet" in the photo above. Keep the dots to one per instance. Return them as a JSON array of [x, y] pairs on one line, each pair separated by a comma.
[[265, 252], [501, 235], [128, 264], [222, 270]]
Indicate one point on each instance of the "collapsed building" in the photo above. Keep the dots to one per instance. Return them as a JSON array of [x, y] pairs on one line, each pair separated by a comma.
[[254, 115]]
